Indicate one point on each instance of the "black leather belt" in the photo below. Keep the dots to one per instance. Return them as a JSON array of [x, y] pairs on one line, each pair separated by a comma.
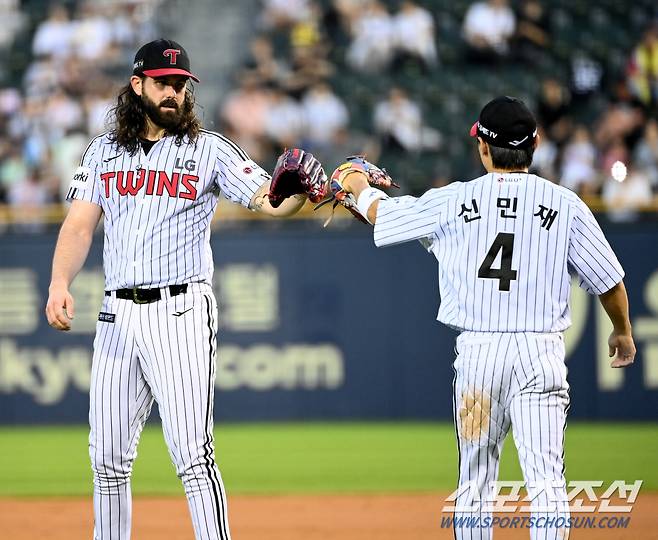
[[146, 296]]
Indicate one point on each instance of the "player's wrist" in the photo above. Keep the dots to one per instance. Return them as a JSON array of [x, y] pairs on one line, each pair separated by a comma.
[[622, 330], [366, 198], [57, 284]]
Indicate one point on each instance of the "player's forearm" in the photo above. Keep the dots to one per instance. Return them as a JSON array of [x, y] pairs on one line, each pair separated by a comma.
[[70, 254], [290, 206], [615, 303], [372, 211], [261, 203]]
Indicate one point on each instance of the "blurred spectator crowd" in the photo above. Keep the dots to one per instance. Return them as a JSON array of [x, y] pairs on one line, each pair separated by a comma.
[[310, 62], [397, 80], [285, 91], [79, 54]]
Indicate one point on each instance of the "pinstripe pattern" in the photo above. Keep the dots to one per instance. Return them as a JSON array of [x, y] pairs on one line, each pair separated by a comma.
[[155, 240], [157, 211], [506, 246], [166, 361], [545, 250], [523, 377]]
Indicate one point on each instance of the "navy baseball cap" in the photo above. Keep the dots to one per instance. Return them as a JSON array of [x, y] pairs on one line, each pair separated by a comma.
[[162, 57], [506, 122]]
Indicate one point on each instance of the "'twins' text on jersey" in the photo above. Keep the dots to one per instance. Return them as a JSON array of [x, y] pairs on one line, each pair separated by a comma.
[[158, 207], [506, 245]]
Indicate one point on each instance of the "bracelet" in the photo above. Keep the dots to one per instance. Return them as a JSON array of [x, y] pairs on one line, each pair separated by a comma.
[[366, 198]]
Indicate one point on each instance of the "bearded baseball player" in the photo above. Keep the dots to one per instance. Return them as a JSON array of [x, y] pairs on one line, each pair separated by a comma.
[[507, 244], [156, 178]]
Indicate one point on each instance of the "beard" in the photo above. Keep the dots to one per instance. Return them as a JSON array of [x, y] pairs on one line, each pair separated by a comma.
[[169, 119]]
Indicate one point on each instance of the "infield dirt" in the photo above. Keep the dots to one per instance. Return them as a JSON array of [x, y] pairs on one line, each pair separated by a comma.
[[283, 517]]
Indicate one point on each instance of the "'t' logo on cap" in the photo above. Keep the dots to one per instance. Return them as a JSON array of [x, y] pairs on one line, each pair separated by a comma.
[[172, 54]]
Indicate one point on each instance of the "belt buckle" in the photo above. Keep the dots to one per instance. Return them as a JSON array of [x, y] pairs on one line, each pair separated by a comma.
[[136, 298]]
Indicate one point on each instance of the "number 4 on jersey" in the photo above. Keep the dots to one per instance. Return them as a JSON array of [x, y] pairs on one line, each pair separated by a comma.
[[504, 274]]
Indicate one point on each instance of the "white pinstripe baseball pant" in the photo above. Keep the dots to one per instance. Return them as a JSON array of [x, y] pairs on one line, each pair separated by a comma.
[[165, 351], [516, 380]]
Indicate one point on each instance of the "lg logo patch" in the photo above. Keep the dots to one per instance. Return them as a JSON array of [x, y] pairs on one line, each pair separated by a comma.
[[188, 164]]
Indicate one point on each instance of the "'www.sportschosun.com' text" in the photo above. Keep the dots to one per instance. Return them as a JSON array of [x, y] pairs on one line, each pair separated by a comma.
[[532, 522]]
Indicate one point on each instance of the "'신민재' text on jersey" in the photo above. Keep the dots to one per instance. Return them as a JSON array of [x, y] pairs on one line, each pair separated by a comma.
[[506, 245]]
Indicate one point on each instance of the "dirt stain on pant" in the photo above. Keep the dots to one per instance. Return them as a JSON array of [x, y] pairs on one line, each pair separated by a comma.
[[474, 414]]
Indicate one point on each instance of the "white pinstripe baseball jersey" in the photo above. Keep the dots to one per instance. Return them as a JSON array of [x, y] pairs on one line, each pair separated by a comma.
[[506, 246], [158, 207]]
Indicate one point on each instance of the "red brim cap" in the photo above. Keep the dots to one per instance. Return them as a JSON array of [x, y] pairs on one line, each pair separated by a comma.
[[170, 71], [474, 130]]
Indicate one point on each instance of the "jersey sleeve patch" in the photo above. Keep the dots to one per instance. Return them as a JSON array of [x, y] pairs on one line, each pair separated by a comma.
[[250, 171], [241, 180], [81, 178]]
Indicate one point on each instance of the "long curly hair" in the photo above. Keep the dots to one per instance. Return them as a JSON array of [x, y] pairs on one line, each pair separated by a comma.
[[127, 120]]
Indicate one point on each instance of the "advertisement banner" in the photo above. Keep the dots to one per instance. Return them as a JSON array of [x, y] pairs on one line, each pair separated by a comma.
[[314, 324]]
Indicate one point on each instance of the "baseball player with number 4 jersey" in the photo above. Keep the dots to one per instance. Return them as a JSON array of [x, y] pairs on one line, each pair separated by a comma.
[[156, 178], [507, 244]]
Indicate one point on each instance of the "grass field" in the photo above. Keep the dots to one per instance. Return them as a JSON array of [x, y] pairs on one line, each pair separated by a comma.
[[316, 458]]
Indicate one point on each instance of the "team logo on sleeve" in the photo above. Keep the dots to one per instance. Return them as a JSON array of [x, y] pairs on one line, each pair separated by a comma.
[[248, 168], [80, 177]]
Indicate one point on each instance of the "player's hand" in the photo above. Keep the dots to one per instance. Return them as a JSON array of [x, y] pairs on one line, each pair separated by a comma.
[[356, 174], [297, 172], [621, 346], [355, 181], [60, 308], [349, 180]]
